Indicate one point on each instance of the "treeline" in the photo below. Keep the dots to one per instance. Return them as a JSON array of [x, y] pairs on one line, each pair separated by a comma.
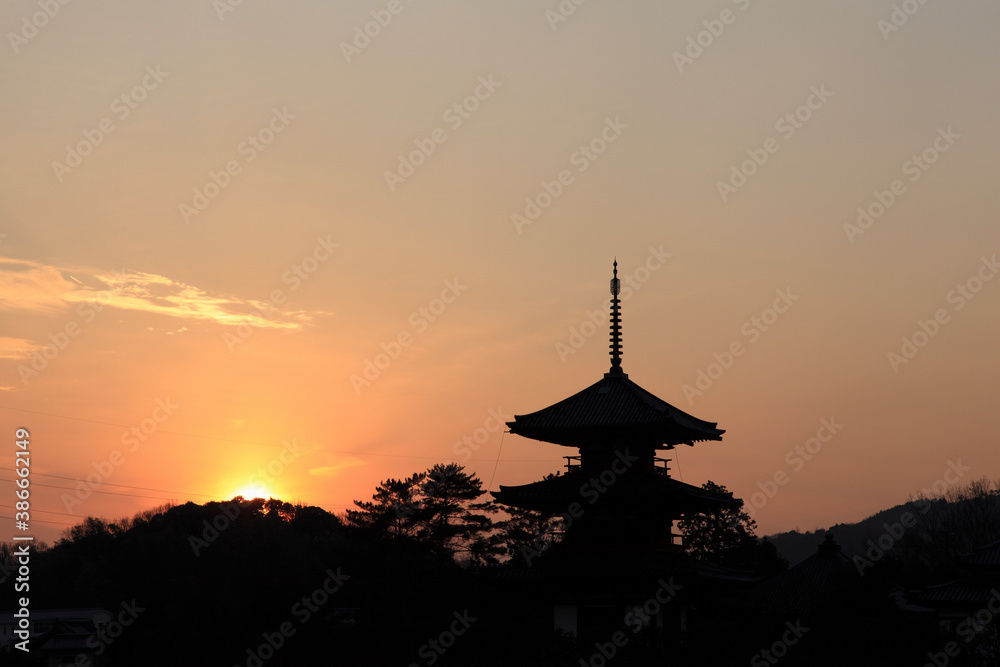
[[391, 581], [226, 583], [941, 529]]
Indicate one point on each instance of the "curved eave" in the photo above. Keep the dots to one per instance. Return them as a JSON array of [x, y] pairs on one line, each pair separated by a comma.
[[557, 493], [662, 435], [612, 409]]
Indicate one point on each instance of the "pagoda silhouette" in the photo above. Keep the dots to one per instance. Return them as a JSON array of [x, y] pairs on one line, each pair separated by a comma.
[[619, 504]]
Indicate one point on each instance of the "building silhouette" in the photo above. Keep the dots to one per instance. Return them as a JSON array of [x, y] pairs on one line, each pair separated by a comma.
[[619, 566]]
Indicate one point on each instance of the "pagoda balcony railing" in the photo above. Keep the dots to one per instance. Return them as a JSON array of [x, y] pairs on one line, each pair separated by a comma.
[[574, 463], [663, 469]]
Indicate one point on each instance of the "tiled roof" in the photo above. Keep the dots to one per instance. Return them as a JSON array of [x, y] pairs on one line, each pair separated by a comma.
[[972, 590], [614, 407], [986, 557], [813, 585]]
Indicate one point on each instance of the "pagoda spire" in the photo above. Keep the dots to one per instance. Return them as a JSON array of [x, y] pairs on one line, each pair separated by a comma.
[[616, 323]]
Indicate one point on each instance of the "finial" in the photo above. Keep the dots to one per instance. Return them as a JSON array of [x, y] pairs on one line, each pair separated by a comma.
[[616, 323]]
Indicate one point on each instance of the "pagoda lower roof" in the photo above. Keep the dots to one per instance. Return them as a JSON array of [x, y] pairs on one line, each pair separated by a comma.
[[648, 490], [612, 409]]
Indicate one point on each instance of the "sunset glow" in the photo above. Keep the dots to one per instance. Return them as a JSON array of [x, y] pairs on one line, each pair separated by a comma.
[[339, 266]]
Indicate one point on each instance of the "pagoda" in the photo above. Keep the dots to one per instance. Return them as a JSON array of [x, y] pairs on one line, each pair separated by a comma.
[[617, 500]]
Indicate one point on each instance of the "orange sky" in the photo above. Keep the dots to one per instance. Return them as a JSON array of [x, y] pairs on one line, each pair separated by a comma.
[[212, 220]]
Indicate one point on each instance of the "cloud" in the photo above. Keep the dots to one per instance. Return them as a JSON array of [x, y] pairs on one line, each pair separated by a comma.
[[16, 348], [31, 286], [331, 470]]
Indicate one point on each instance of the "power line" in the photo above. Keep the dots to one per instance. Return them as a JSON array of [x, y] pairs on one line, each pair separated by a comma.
[[108, 493], [124, 486], [42, 511], [495, 465], [247, 442], [51, 523]]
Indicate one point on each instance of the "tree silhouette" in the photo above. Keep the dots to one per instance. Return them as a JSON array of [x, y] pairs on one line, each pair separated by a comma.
[[527, 533], [451, 523], [436, 508], [726, 537], [948, 527], [393, 508]]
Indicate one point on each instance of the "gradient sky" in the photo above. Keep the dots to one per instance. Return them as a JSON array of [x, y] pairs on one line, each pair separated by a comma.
[[155, 293]]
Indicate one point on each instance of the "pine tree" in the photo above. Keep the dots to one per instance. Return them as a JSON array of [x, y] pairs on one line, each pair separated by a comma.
[[394, 508]]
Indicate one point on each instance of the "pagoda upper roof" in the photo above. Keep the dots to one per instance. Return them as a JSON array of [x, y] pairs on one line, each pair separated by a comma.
[[611, 409]]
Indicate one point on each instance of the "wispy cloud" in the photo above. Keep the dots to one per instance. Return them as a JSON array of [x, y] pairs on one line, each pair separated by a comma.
[[16, 348], [331, 470], [30, 286], [35, 287]]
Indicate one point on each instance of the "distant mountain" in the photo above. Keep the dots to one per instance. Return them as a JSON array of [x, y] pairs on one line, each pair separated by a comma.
[[852, 537], [965, 518]]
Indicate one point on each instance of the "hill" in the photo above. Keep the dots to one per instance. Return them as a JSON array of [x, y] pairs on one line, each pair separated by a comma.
[[954, 523]]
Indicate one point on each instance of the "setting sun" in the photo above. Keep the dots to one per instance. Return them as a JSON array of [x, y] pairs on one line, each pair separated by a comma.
[[251, 491]]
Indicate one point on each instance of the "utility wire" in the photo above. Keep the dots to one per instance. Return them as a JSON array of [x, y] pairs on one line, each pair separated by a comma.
[[124, 486], [245, 442], [497, 462]]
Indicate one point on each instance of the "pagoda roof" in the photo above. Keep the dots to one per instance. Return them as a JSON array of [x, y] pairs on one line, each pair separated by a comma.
[[975, 591], [555, 494], [824, 581], [984, 558], [614, 408]]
